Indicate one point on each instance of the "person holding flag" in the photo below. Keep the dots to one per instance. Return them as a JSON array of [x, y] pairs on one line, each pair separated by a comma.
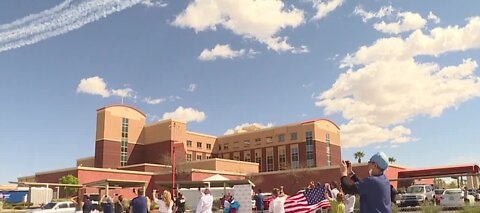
[[309, 200]]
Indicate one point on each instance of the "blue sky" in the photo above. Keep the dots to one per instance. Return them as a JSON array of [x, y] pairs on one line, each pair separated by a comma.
[[398, 76]]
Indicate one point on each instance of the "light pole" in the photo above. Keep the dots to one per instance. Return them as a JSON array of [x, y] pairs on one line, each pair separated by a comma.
[[173, 159]]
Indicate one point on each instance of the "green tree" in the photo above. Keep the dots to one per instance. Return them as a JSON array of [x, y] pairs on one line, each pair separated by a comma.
[[391, 160], [69, 179], [359, 155]]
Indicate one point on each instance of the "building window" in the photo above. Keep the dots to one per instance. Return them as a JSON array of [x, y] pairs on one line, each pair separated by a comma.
[[124, 146], [209, 157], [189, 143], [199, 145], [269, 139], [246, 143], [293, 136], [209, 146], [246, 156], [329, 156], [189, 157], [295, 161], [199, 157], [282, 159], [258, 140], [281, 138], [225, 147], [269, 163], [310, 155], [258, 159], [219, 147], [236, 157]]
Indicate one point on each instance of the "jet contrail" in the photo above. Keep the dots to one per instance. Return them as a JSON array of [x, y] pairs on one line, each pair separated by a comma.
[[65, 17], [36, 17]]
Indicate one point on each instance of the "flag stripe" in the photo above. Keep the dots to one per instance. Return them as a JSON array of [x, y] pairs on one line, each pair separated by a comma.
[[307, 201]]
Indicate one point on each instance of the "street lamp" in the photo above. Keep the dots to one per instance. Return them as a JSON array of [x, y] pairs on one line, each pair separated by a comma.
[[173, 159]]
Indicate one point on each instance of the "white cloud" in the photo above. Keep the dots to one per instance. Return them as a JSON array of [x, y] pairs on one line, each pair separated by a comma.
[[63, 18], [300, 50], [220, 51], [124, 93], [408, 21], [93, 86], [247, 127], [324, 7], [259, 20], [185, 114], [97, 86], [360, 134], [384, 11], [154, 3], [433, 17], [173, 98], [388, 87], [192, 87], [153, 101], [438, 41]]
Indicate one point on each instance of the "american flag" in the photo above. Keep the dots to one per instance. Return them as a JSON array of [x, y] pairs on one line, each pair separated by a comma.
[[307, 201]]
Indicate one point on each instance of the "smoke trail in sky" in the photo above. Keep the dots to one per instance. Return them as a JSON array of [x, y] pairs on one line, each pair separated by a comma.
[[65, 17]]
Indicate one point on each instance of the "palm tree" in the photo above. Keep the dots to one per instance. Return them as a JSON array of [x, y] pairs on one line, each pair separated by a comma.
[[359, 155], [391, 160]]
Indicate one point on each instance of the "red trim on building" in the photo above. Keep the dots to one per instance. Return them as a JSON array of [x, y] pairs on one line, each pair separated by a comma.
[[446, 170]]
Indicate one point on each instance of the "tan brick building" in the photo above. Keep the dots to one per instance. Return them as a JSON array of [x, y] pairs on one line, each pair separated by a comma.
[[124, 138]]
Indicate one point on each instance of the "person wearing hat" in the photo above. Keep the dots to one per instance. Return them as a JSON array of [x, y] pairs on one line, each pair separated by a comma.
[[374, 190]]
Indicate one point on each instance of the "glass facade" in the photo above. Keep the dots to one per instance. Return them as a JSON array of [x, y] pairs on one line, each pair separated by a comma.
[[124, 147], [295, 160], [282, 159], [310, 147], [329, 156], [269, 163]]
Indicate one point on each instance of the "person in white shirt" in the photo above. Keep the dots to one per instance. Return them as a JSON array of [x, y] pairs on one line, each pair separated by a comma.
[[349, 203], [205, 203], [165, 203], [277, 205]]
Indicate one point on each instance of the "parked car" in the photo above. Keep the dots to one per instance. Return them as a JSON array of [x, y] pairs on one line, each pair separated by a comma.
[[438, 195], [475, 194], [55, 207], [454, 198], [416, 195]]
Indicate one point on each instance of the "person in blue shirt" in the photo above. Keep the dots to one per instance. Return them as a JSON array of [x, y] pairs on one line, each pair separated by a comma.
[[259, 201], [374, 190], [139, 204]]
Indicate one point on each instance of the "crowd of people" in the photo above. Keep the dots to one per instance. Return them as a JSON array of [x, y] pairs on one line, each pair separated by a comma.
[[375, 192]]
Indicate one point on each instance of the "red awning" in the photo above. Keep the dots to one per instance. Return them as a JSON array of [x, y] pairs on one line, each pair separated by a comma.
[[434, 171]]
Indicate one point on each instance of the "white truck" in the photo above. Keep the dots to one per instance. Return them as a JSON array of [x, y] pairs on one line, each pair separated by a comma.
[[417, 195]]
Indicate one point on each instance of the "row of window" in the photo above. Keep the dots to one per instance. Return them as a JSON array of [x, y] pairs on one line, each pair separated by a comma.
[[199, 145], [198, 157], [246, 143]]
